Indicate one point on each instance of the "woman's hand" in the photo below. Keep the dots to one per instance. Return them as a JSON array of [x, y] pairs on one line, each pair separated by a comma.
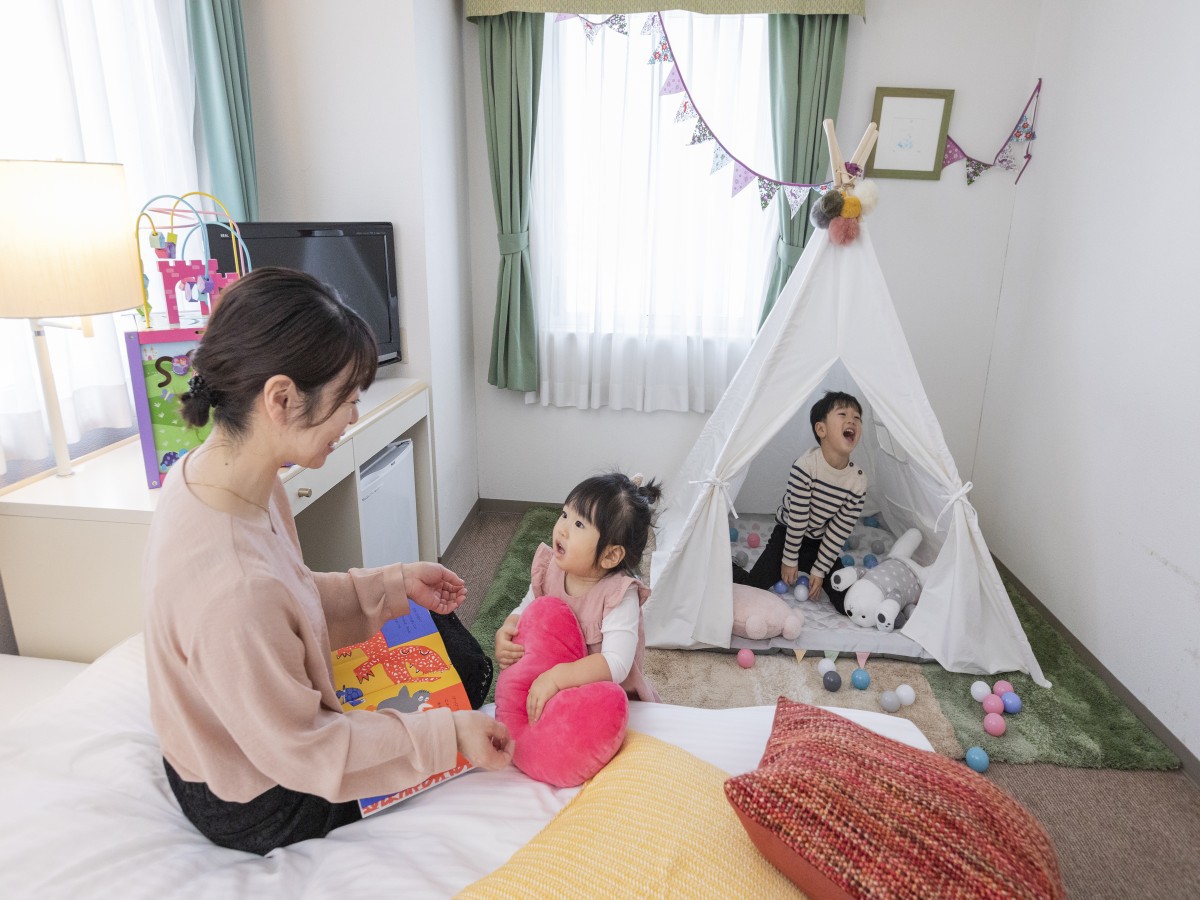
[[434, 587], [507, 651], [482, 740]]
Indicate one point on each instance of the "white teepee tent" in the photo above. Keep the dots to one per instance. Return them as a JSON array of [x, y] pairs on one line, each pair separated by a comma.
[[834, 325]]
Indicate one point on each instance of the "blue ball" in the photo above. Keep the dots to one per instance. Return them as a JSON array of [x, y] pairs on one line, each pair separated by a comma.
[[832, 681], [1012, 703], [780, 587], [848, 561], [861, 679], [978, 760], [870, 561], [733, 535], [802, 581], [871, 521]]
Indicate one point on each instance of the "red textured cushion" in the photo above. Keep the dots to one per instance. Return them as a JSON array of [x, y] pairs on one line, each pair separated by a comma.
[[844, 812]]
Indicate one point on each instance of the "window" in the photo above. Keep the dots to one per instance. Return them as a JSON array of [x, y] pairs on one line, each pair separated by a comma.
[[648, 276], [96, 82]]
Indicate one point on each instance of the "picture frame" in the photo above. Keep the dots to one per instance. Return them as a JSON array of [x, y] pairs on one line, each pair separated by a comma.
[[913, 124]]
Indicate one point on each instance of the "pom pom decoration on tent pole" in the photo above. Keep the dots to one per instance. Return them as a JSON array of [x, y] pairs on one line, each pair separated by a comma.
[[841, 213]]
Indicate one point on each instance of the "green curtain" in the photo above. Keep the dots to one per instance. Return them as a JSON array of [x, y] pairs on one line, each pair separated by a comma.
[[808, 59], [223, 101], [510, 60]]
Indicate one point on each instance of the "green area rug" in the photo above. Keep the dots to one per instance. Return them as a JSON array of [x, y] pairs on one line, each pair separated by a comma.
[[1078, 722]]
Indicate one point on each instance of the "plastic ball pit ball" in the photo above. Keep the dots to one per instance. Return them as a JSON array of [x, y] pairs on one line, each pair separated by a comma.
[[848, 561], [977, 759], [745, 657], [994, 724], [826, 665], [781, 587], [733, 535], [1000, 688], [832, 681], [861, 679], [906, 694], [1012, 703], [869, 561], [889, 701], [753, 540], [979, 690], [993, 704]]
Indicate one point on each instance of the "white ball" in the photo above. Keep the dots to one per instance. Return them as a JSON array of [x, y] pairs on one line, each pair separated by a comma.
[[906, 694], [826, 665], [979, 690], [889, 701]]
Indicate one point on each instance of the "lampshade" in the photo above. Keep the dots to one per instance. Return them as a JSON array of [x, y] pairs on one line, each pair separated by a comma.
[[67, 244]]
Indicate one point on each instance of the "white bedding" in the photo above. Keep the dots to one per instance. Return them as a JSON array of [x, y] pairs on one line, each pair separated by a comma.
[[85, 809]]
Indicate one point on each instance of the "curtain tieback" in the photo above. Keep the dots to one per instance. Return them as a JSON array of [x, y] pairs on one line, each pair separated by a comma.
[[723, 487], [789, 254], [513, 242], [960, 494]]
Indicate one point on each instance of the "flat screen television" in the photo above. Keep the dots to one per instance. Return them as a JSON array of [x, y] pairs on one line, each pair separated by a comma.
[[358, 259]]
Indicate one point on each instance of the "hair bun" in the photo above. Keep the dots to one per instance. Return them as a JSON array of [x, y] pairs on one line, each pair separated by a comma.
[[637, 479]]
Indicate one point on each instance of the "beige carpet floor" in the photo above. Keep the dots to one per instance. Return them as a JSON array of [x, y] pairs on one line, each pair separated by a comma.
[[716, 681]]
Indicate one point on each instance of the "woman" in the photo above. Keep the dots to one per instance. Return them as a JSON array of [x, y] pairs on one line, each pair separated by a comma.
[[238, 630]]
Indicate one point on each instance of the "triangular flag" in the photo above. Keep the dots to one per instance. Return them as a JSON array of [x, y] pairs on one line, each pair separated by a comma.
[[1023, 131], [862, 657], [953, 152], [1007, 157], [796, 195], [831, 654], [662, 52], [674, 83], [720, 158], [589, 28], [618, 23], [686, 111], [766, 191], [650, 26], [823, 189], [975, 168], [799, 654], [701, 134], [742, 177], [561, 16]]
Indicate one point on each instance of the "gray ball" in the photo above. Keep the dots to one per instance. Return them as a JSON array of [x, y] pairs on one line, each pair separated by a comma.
[[890, 701], [833, 681], [878, 547], [817, 217], [831, 204]]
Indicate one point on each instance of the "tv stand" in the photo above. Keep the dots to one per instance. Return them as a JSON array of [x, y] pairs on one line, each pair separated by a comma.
[[71, 548]]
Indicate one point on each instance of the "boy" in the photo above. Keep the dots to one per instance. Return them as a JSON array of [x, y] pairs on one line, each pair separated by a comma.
[[823, 500]]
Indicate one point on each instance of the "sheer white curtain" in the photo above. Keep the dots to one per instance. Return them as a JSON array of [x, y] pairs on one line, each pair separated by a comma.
[[648, 277], [89, 81]]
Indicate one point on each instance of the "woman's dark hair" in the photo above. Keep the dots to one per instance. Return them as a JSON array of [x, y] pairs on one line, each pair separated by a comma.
[[621, 511], [827, 404], [276, 321]]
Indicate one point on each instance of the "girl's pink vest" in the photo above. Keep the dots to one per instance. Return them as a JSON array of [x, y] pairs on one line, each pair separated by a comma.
[[548, 580]]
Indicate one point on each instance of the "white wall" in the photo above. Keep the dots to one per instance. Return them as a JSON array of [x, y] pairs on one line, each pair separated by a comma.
[[358, 114], [1086, 478], [941, 245]]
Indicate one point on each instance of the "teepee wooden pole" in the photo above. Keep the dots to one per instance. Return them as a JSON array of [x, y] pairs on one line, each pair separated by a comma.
[[865, 145], [836, 162]]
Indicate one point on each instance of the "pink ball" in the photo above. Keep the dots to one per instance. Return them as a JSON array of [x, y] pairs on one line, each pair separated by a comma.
[[745, 657], [843, 231], [993, 704], [993, 724], [753, 540], [1001, 687]]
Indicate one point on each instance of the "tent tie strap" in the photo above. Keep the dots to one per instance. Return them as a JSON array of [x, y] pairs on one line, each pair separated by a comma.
[[960, 494], [721, 485]]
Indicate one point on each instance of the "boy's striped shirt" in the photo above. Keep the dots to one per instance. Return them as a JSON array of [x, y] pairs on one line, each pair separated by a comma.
[[822, 503]]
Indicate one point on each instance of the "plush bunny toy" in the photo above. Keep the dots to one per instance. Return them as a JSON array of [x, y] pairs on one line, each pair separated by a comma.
[[876, 597]]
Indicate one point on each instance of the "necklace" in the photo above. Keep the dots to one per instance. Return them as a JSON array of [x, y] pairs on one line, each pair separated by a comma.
[[217, 487]]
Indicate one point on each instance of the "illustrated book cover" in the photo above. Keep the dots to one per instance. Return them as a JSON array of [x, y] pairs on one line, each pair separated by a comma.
[[160, 364], [405, 667]]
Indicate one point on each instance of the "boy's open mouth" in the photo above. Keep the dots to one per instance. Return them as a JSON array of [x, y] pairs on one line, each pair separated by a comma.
[[849, 434]]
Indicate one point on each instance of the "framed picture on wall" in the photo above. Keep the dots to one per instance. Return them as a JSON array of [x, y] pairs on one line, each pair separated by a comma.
[[912, 132]]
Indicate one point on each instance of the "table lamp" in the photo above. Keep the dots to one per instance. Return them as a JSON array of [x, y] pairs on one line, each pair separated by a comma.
[[67, 248]]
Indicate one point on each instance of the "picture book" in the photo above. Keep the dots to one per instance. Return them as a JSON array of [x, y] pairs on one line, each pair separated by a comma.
[[160, 364], [404, 667]]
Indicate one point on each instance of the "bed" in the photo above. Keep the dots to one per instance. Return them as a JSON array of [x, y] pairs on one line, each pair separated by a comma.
[[85, 809]]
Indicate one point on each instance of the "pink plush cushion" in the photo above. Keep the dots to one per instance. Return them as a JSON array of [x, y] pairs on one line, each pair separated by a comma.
[[582, 727]]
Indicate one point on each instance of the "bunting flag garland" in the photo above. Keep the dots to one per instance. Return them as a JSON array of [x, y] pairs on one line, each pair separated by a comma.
[[1020, 138], [1007, 158]]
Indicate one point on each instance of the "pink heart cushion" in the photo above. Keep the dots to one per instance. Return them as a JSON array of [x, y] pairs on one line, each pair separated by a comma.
[[581, 728]]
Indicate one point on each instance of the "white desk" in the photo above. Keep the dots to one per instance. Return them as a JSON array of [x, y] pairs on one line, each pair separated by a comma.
[[71, 548]]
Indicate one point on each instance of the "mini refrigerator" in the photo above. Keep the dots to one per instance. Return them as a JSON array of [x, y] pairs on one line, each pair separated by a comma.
[[387, 506]]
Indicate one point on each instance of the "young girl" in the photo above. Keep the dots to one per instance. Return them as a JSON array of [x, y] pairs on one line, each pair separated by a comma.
[[598, 544]]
